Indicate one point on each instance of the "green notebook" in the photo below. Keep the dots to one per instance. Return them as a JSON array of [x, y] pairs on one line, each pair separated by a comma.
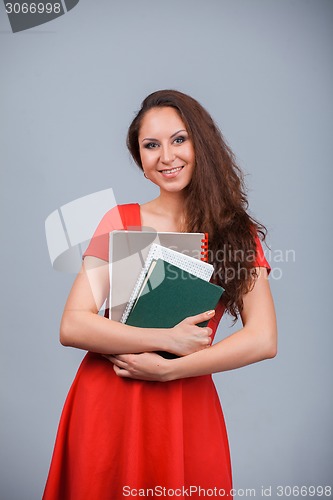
[[170, 295]]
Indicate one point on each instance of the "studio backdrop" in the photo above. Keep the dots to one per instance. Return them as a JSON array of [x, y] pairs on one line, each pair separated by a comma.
[[71, 82]]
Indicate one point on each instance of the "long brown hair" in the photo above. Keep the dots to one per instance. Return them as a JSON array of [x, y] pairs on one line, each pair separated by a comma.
[[215, 199]]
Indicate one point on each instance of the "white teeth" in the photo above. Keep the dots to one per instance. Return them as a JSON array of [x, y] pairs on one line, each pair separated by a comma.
[[172, 170]]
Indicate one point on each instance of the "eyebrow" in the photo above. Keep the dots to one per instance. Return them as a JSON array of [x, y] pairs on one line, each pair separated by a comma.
[[173, 135]]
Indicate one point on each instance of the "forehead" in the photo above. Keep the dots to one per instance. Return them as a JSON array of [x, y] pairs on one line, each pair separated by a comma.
[[159, 121]]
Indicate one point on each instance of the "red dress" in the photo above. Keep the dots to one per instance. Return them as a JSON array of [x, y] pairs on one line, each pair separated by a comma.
[[119, 437]]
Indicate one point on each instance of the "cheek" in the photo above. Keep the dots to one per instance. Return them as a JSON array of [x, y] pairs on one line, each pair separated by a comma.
[[191, 158], [145, 158], [190, 153]]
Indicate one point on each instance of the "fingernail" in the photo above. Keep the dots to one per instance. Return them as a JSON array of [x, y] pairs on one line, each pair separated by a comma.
[[210, 313]]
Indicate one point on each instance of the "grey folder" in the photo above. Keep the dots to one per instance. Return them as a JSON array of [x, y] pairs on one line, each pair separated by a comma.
[[128, 252]]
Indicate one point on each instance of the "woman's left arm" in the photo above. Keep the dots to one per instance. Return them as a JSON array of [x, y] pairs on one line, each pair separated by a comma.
[[255, 341]]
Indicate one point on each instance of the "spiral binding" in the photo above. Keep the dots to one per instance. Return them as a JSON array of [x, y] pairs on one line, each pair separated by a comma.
[[204, 249]]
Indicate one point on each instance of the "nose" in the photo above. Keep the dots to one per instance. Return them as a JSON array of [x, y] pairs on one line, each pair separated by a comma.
[[167, 154]]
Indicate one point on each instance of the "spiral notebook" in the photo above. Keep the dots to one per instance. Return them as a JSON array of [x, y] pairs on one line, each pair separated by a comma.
[[128, 252], [193, 266]]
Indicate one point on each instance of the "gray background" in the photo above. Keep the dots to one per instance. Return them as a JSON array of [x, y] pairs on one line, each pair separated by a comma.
[[69, 89]]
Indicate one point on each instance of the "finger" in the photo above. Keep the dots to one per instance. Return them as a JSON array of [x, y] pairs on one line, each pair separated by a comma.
[[121, 372], [207, 340], [198, 318], [206, 330], [108, 357], [116, 360], [112, 356]]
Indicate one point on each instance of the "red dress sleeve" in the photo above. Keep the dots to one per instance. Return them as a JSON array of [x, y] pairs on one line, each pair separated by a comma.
[[118, 218], [261, 260]]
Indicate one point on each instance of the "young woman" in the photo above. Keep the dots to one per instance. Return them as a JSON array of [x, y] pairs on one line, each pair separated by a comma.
[[134, 423]]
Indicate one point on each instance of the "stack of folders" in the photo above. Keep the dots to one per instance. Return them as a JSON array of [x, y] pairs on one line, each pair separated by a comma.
[[171, 287], [128, 253]]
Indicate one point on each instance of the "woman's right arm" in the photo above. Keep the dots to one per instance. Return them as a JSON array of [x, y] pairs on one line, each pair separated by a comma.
[[83, 328]]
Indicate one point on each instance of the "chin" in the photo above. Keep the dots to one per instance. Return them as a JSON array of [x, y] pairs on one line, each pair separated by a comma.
[[175, 189]]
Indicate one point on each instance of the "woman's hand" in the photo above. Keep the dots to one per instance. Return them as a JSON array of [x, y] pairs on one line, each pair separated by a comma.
[[187, 337], [146, 366]]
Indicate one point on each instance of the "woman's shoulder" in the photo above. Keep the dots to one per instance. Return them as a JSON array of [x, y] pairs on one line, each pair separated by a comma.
[[119, 217], [122, 208], [122, 215]]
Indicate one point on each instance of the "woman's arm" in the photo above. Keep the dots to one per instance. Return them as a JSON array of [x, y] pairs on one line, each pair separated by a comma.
[[257, 340], [82, 327]]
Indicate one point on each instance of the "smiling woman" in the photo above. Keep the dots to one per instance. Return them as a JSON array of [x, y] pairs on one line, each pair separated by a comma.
[[170, 154], [133, 420]]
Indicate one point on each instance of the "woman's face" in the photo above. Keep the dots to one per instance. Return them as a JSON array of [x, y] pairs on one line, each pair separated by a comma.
[[167, 152]]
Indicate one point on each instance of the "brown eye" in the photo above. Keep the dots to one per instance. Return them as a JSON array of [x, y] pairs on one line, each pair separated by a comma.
[[150, 145], [180, 139]]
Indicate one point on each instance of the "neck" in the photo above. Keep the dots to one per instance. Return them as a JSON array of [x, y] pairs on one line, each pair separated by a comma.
[[171, 203]]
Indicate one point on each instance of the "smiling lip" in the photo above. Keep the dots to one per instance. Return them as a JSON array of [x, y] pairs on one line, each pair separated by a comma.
[[171, 172]]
